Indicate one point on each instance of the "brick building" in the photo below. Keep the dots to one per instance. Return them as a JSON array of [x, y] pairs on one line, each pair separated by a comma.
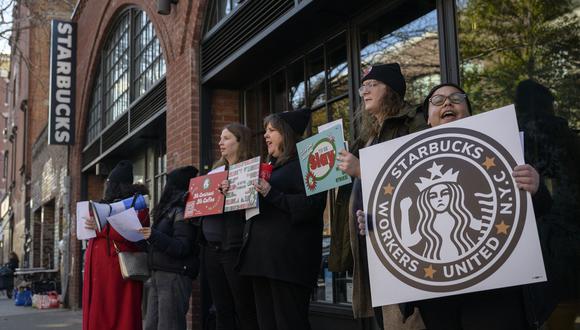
[[33, 194], [157, 89], [4, 153]]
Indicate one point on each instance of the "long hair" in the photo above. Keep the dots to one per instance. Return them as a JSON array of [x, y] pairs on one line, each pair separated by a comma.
[[243, 136], [369, 125], [289, 138], [115, 191], [457, 210], [170, 196]]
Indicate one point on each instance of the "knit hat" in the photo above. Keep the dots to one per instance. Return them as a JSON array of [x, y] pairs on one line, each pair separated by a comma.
[[389, 74], [297, 119], [122, 173], [179, 177], [434, 89]]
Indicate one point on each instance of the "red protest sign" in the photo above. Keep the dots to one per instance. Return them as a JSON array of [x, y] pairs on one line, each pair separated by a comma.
[[204, 198]]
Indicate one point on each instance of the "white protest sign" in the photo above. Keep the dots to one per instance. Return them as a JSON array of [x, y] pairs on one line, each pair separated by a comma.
[[127, 224], [83, 214], [445, 215]]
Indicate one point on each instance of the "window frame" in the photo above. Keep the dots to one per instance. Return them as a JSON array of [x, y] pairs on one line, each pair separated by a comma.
[[97, 106]]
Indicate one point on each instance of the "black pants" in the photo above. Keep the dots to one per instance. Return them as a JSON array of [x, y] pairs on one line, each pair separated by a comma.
[[500, 309], [232, 294], [281, 305]]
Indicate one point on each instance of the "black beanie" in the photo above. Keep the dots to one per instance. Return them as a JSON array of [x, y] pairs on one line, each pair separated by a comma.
[[297, 119], [179, 177], [122, 173], [389, 74]]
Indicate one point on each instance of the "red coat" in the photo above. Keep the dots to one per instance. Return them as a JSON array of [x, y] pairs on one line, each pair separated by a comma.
[[109, 301]]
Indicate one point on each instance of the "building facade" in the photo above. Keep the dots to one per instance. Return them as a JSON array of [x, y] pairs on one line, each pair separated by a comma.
[[157, 89], [32, 209]]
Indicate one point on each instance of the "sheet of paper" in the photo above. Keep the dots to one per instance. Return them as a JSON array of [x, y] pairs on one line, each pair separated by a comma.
[[127, 224], [326, 126], [250, 213], [83, 214]]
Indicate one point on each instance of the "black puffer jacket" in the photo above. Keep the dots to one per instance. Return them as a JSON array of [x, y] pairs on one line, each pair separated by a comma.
[[173, 243], [284, 241]]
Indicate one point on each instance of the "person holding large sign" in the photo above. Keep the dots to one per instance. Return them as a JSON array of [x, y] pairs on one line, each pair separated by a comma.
[[446, 229], [282, 248], [383, 115], [232, 294]]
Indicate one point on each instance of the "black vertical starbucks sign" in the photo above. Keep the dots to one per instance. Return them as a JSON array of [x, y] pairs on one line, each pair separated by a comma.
[[63, 45]]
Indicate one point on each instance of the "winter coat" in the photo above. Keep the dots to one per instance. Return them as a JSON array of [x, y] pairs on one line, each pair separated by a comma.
[[406, 122], [284, 242], [229, 226], [173, 245], [109, 301]]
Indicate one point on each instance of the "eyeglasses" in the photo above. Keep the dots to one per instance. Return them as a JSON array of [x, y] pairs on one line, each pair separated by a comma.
[[368, 86], [455, 98]]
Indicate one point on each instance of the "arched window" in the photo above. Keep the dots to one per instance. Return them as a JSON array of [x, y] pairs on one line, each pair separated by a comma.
[[131, 63]]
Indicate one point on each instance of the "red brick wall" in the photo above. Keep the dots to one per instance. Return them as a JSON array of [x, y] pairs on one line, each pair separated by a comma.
[[225, 110], [179, 35]]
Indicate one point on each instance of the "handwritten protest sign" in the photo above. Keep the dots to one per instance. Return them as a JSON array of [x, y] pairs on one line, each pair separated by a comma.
[[242, 194]]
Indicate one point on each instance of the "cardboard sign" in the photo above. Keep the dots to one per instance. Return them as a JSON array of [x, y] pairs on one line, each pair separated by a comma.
[[317, 155], [242, 194], [445, 215], [204, 198]]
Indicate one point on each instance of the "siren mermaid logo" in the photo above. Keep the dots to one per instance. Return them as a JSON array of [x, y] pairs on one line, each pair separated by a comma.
[[320, 161], [445, 212]]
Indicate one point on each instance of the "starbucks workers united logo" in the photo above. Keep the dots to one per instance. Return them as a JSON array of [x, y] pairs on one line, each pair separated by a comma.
[[444, 211]]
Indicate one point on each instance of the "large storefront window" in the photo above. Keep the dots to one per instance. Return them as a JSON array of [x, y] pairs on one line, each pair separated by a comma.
[[410, 40], [527, 53], [148, 61], [94, 125], [116, 69], [132, 60]]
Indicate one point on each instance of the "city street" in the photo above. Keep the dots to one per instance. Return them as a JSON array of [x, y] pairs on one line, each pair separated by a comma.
[[19, 318]]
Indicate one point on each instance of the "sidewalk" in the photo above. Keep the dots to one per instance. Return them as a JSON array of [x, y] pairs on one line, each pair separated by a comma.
[[19, 318]]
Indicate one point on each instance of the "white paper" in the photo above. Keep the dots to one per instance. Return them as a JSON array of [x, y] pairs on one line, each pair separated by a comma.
[[250, 213], [326, 126], [403, 270], [217, 169], [127, 224], [82, 215], [337, 122]]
